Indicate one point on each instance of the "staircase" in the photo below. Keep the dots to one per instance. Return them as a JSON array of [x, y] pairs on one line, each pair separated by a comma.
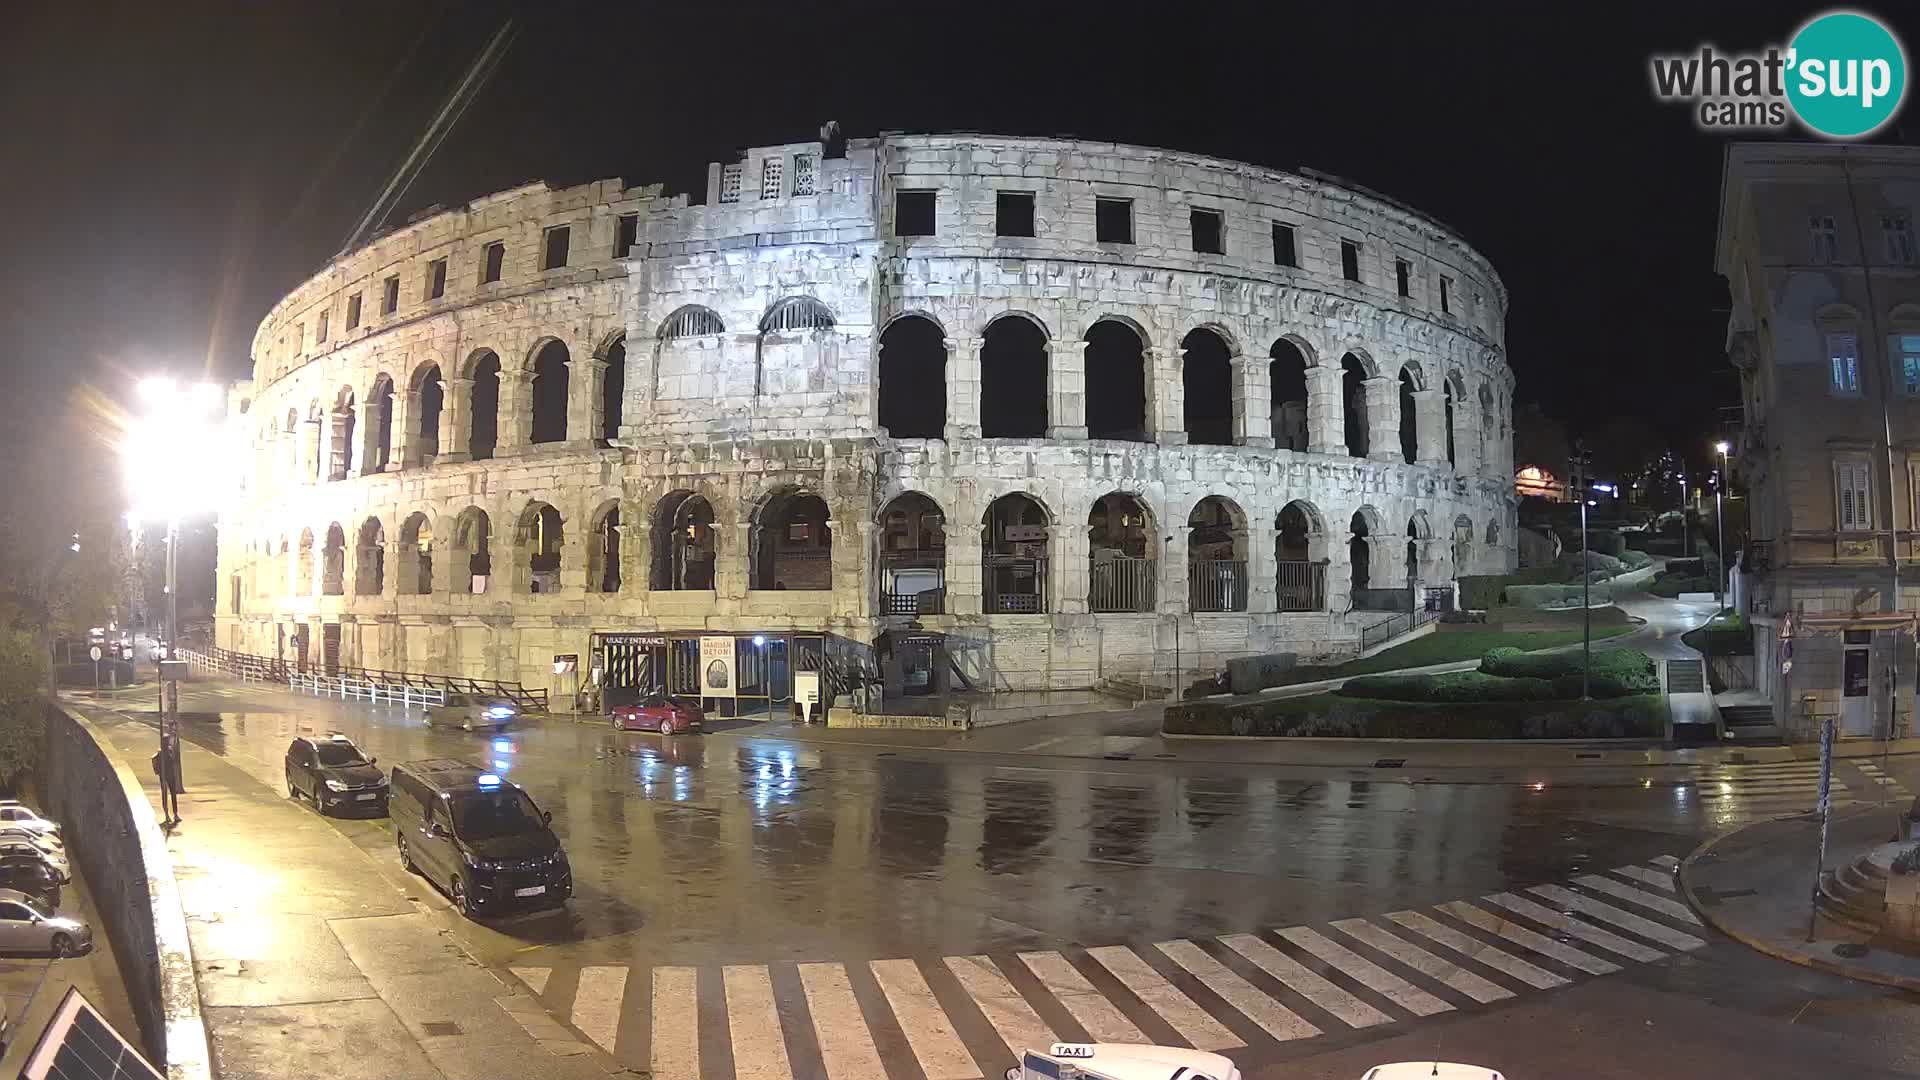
[[1686, 677], [1856, 894], [1748, 723]]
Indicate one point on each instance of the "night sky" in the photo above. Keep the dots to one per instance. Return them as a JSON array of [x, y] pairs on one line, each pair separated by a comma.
[[170, 170]]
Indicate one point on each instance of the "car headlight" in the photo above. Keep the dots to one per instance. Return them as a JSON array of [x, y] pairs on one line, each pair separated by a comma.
[[335, 785]]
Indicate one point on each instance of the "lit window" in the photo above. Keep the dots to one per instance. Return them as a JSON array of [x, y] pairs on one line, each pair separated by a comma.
[[771, 171], [730, 183], [1910, 364], [1898, 230], [1853, 481], [1823, 240], [1843, 360], [803, 174]]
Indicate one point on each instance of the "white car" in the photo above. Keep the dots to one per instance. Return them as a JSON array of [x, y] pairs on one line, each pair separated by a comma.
[[47, 842], [1430, 1070], [1123, 1061], [17, 813]]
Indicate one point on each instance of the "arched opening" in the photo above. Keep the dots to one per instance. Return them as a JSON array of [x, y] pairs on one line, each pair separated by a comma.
[[682, 557], [333, 562], [1014, 541], [416, 557], [370, 559], [613, 390], [791, 544], [1462, 545], [1116, 382], [1360, 551], [1487, 425], [1447, 388], [788, 350], [483, 429], [472, 551], [340, 436], [1013, 379], [1206, 378], [1216, 556], [1409, 419], [318, 423], [429, 398], [1287, 380], [550, 394], [538, 539], [913, 379], [1353, 395], [303, 567], [1122, 570], [1493, 535], [1416, 532], [603, 551], [379, 449], [1300, 558], [913, 556], [288, 570]]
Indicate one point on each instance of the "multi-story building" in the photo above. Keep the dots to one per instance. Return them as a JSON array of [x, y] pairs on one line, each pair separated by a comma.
[[1817, 244], [1029, 413]]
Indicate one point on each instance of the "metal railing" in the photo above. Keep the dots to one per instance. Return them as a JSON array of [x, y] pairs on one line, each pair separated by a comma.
[[394, 687], [1217, 585], [1301, 586], [926, 602], [1122, 583], [1027, 599], [1393, 626]]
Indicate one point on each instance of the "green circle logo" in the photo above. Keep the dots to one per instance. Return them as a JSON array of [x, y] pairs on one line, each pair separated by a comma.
[[1847, 75]]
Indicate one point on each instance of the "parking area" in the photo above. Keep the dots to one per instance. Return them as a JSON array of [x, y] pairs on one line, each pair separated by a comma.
[[31, 986]]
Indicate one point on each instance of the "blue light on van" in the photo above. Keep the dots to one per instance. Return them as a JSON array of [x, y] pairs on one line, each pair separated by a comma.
[[488, 780]]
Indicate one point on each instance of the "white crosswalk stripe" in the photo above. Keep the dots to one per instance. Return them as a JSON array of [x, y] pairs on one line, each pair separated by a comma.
[[1667, 861], [1405, 960]]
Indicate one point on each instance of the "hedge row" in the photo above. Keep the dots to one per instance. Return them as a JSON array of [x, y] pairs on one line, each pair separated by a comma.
[[1331, 715]]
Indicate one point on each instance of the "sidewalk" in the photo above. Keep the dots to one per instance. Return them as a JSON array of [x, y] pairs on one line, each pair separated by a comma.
[[1755, 886], [307, 953]]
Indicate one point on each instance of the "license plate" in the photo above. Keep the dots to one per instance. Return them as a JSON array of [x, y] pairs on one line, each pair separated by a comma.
[[367, 795], [531, 890]]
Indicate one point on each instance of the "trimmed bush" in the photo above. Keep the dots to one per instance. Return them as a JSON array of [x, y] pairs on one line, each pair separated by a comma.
[[1332, 715], [1615, 672], [1457, 686], [1542, 595], [1635, 560]]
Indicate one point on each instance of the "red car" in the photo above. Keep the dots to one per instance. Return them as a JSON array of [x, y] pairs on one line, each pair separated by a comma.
[[658, 712]]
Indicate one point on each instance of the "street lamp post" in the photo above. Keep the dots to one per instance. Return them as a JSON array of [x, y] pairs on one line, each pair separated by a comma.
[[1720, 527], [1582, 461]]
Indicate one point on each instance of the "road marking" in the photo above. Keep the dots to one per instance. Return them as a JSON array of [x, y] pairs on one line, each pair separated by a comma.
[[1474, 949], [846, 1047], [1200, 1030], [1520, 935], [1667, 861], [1104, 1022], [753, 1022], [938, 1048], [1017, 1024], [1579, 928], [1646, 928], [1274, 1018], [535, 978], [596, 1004], [1672, 909], [1422, 961], [1646, 876], [1366, 972], [675, 1053], [1314, 987]]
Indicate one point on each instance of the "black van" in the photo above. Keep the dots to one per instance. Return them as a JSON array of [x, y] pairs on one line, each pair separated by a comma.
[[476, 836]]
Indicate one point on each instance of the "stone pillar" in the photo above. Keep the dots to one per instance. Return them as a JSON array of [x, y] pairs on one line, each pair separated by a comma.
[[1166, 396], [966, 590], [405, 451], [1383, 419], [391, 569], [1173, 598], [456, 419], [730, 554], [515, 427], [1430, 426], [636, 552], [636, 394], [1326, 412], [963, 388], [311, 447], [575, 535], [853, 590], [1252, 402], [586, 377], [1467, 437], [450, 564], [1263, 592], [1067, 571], [1067, 390]]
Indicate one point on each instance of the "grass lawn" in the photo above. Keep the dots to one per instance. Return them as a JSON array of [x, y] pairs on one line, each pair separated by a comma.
[[1441, 647], [1641, 716]]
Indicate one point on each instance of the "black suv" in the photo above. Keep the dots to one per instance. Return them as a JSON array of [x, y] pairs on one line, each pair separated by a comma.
[[477, 836], [332, 772], [31, 876]]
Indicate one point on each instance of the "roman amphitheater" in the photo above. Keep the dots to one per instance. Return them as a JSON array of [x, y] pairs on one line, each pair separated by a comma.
[[992, 413]]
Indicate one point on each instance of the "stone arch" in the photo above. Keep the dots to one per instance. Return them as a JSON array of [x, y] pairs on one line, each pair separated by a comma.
[[1287, 362], [613, 386], [303, 565], [1015, 541], [378, 451], [913, 378], [1206, 376], [340, 434], [1123, 544], [1117, 383], [429, 401], [1361, 530], [1489, 425], [915, 313], [1354, 373], [549, 364], [538, 538], [1217, 555], [691, 320], [1013, 377], [1450, 414], [333, 562], [472, 551], [1419, 526], [414, 574], [483, 420], [370, 558], [799, 323], [796, 314], [682, 558], [1462, 545], [1409, 415], [790, 542], [603, 547], [1411, 371], [1300, 557], [910, 537]]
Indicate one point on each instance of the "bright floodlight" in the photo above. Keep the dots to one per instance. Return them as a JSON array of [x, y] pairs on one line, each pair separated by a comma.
[[176, 452], [1723, 446]]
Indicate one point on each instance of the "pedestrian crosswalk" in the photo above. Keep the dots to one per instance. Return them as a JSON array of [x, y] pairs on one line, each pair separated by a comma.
[[1729, 796], [966, 1017], [1888, 782]]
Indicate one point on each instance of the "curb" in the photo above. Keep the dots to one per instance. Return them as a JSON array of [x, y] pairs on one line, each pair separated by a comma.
[[1767, 948]]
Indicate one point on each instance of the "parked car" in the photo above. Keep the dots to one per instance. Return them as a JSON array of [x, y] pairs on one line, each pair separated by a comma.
[[485, 715], [21, 848], [478, 837], [28, 926], [14, 812], [1124, 1061], [1427, 1070], [33, 876], [330, 770], [47, 842], [663, 713]]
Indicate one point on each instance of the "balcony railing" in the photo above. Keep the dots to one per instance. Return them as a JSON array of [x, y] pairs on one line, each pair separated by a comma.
[[1122, 583], [1301, 586], [1217, 585], [925, 602], [1014, 585]]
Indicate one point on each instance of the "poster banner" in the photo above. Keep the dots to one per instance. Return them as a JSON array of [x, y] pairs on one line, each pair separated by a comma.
[[806, 693], [716, 666]]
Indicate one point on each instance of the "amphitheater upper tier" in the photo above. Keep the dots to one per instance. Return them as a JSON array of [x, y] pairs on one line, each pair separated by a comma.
[[955, 409]]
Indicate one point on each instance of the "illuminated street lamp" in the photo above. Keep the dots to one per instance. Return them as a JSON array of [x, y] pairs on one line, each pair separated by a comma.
[[1720, 526]]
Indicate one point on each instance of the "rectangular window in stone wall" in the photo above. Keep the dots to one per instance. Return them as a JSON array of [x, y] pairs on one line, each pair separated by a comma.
[[320, 328], [803, 174], [1843, 364], [1446, 296], [1284, 253], [772, 170], [1853, 495], [390, 302], [1208, 227], [1113, 221], [913, 213], [1013, 213], [436, 279], [629, 235], [730, 183], [1350, 259], [1403, 276], [1823, 240], [559, 239], [494, 263], [353, 312]]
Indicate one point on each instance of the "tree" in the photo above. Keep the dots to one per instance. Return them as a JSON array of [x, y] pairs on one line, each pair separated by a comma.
[[23, 670]]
